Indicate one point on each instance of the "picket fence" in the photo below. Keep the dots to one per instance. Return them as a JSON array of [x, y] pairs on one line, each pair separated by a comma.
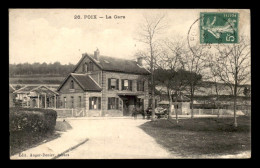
[[215, 112], [82, 112]]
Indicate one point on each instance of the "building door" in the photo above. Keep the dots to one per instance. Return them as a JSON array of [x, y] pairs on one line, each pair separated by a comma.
[[125, 107], [33, 103]]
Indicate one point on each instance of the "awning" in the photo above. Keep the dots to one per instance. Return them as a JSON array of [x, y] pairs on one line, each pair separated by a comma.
[[129, 94], [163, 102]]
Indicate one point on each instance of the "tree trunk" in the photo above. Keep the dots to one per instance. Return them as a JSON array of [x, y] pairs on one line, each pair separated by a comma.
[[152, 81], [235, 100], [191, 103], [170, 106], [235, 107], [176, 112], [191, 99]]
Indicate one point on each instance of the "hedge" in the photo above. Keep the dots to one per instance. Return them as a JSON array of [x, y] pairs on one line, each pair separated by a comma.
[[32, 120]]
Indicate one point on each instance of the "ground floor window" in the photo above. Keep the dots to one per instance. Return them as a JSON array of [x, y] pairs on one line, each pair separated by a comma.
[[79, 101], [150, 103], [65, 102], [95, 103], [113, 103], [72, 102]]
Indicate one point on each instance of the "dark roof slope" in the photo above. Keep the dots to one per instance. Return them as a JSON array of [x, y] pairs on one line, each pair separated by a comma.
[[107, 63], [180, 98], [11, 89], [26, 89], [84, 81]]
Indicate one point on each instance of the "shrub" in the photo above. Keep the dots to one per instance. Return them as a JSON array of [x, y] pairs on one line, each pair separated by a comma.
[[32, 120]]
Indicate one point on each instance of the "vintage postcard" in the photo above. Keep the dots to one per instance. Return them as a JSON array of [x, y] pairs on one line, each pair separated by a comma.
[[129, 83]]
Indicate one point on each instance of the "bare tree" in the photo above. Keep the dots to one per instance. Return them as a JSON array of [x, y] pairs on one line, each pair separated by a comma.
[[233, 67], [194, 61], [150, 29], [174, 49], [214, 78]]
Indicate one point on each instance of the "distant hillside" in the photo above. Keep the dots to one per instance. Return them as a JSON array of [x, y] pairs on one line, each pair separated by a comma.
[[36, 80], [37, 69]]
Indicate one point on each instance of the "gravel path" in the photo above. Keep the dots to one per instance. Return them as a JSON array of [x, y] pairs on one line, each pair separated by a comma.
[[115, 139]]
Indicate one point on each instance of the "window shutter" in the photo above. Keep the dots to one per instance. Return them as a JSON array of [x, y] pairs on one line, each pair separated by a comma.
[[90, 100], [87, 66], [143, 85], [109, 83], [117, 84], [137, 84], [130, 84], [90, 66], [122, 84], [108, 105], [99, 103], [116, 103]]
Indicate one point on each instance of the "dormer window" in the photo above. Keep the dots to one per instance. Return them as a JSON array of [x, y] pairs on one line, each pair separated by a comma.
[[90, 67], [85, 67]]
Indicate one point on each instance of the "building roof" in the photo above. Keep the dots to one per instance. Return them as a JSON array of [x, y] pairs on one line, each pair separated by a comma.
[[11, 89], [26, 89], [84, 81], [180, 98], [36, 88], [113, 64]]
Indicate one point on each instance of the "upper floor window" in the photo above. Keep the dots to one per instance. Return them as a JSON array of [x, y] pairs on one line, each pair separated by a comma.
[[113, 84], [140, 85], [72, 84], [126, 84]]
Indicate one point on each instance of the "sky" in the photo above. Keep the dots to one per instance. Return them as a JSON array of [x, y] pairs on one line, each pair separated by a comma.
[[50, 35]]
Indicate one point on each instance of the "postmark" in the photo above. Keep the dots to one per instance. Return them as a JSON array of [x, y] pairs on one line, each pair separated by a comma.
[[218, 28]]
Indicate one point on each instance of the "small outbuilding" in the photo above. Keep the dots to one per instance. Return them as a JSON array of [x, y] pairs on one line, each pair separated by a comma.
[[37, 96], [181, 104], [43, 97]]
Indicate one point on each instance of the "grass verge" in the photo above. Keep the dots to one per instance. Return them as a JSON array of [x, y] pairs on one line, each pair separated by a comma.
[[201, 136]]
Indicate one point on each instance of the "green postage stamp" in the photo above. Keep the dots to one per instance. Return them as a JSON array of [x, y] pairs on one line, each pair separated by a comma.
[[218, 28]]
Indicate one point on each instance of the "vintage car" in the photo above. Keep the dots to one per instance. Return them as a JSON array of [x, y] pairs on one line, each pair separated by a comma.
[[160, 112]]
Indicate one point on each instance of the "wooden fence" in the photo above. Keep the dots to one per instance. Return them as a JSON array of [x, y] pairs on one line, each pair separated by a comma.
[[77, 112], [218, 111]]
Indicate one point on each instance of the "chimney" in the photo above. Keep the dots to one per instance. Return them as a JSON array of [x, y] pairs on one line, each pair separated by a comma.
[[140, 61], [96, 54]]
